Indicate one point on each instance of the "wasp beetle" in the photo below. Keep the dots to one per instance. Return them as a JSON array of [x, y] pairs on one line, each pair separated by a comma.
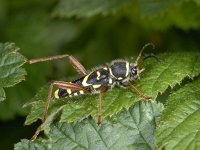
[[116, 73]]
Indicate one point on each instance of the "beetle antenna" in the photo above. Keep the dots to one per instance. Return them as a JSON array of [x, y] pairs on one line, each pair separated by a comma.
[[147, 57], [143, 48], [151, 55]]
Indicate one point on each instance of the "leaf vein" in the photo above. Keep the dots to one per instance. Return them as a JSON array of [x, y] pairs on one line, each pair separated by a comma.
[[62, 132], [175, 127], [139, 130], [98, 134]]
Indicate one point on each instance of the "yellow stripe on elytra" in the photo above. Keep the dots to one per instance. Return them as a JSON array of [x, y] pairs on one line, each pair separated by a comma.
[[81, 92], [75, 94], [127, 69], [110, 81], [85, 80], [96, 86], [98, 75], [105, 68], [120, 78], [110, 70], [56, 94], [69, 91]]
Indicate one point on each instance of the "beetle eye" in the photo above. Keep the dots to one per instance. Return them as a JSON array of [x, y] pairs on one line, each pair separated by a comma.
[[134, 71]]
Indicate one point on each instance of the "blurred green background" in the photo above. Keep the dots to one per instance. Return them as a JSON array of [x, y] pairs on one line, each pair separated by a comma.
[[95, 32]]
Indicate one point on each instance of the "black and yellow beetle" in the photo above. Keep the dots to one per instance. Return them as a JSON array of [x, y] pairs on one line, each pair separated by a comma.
[[119, 72]]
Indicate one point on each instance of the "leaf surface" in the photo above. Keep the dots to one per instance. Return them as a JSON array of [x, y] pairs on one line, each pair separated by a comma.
[[11, 72], [179, 127], [130, 129]]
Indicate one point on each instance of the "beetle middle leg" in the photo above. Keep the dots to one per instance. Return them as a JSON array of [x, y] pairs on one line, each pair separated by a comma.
[[102, 90]]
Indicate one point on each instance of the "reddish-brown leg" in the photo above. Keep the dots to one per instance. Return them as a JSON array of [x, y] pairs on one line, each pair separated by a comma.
[[59, 84], [139, 92], [102, 90], [74, 62]]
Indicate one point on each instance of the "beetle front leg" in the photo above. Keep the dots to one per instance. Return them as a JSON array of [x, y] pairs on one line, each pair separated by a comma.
[[139, 92]]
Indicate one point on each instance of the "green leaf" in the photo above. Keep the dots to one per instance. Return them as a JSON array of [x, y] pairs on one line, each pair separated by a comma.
[[174, 67], [151, 14], [37, 45], [154, 8], [146, 13], [197, 1], [11, 72], [2, 94], [179, 126], [26, 144], [87, 8], [169, 72], [130, 129], [183, 19]]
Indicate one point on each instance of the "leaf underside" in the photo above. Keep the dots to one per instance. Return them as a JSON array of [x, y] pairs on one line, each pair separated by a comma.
[[11, 72], [87, 8], [130, 129], [149, 14]]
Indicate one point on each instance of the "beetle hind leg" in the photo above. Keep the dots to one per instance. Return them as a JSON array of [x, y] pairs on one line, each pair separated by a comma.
[[73, 61], [59, 84]]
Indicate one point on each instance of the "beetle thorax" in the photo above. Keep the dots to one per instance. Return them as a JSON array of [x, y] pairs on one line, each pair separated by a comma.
[[119, 70]]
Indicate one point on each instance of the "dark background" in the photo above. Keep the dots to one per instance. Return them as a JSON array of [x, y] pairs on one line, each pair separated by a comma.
[[42, 28]]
